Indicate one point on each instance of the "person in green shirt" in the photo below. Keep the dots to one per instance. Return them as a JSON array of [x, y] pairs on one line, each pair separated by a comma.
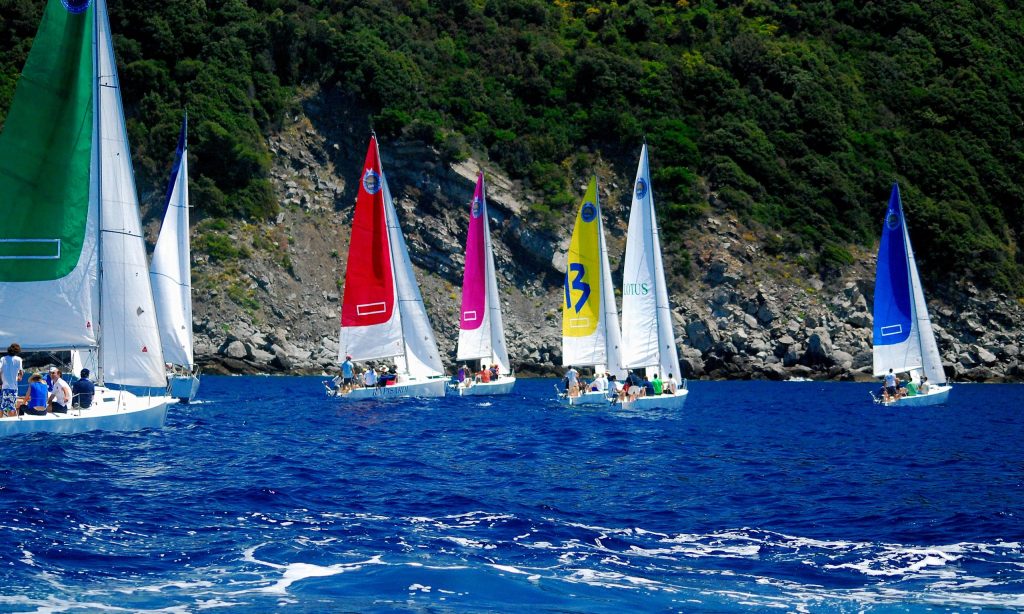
[[911, 389], [658, 384]]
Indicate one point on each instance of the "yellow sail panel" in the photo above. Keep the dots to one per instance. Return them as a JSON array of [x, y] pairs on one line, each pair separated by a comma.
[[581, 309]]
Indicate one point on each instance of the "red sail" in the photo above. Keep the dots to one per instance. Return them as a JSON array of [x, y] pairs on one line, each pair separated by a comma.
[[369, 286]]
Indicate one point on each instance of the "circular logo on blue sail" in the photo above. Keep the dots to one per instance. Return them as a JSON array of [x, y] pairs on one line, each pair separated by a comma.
[[588, 212], [371, 181], [76, 6], [641, 188], [476, 208], [892, 220]]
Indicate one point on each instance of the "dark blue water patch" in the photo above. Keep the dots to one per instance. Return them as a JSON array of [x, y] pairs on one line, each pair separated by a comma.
[[757, 495]]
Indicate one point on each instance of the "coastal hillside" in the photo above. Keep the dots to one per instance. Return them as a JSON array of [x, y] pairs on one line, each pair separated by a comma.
[[775, 134]]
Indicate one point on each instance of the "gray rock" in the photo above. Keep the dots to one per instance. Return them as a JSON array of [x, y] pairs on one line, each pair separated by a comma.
[[842, 359], [985, 356], [235, 349]]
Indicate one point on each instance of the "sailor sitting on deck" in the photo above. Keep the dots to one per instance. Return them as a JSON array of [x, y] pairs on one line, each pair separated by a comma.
[[82, 391], [484, 376], [923, 388], [34, 401], [369, 378], [671, 385]]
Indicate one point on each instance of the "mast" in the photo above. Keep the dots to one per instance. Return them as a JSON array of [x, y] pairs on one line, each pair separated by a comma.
[[391, 218], [97, 180]]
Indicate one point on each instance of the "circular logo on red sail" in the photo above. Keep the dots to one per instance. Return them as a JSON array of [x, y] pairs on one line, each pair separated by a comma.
[[641, 188], [892, 220], [588, 212], [76, 6], [371, 181], [476, 208]]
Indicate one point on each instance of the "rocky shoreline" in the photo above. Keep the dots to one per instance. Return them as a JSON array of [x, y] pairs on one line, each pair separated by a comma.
[[741, 313]]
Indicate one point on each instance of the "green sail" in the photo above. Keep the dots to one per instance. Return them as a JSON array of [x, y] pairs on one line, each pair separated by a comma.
[[46, 152]]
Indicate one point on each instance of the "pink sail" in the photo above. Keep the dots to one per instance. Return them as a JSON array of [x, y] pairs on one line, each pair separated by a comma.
[[474, 279]]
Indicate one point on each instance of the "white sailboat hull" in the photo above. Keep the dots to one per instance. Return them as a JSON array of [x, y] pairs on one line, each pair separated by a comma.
[[183, 387], [503, 385], [112, 410], [428, 389], [661, 401], [586, 398], [937, 395]]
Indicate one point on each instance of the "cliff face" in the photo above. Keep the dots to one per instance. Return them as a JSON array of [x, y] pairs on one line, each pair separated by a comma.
[[745, 311]]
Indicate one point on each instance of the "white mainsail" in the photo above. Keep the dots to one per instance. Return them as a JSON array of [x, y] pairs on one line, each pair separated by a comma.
[[170, 269], [647, 336], [484, 339], [931, 361], [420, 358], [130, 350]]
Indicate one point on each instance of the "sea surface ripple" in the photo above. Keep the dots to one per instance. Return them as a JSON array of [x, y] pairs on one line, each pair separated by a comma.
[[758, 495]]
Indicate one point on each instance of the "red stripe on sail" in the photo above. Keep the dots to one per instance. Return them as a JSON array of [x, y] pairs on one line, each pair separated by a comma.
[[369, 286]]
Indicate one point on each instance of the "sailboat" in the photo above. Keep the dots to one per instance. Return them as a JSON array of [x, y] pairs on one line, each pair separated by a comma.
[[73, 272], [382, 311], [170, 273], [903, 339], [481, 330], [648, 340], [590, 319]]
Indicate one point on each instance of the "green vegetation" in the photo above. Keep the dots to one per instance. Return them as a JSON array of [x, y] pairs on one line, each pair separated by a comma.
[[797, 116]]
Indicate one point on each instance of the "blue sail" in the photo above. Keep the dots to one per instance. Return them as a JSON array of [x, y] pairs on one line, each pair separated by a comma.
[[893, 298]]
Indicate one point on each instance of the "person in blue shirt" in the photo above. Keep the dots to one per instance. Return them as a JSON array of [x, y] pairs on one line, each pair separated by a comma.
[[34, 401], [82, 391], [348, 374]]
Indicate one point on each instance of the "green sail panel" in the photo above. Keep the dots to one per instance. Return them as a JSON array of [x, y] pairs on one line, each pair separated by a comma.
[[46, 151]]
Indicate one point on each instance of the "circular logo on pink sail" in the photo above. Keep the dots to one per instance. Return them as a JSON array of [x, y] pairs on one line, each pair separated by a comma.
[[371, 181], [476, 208]]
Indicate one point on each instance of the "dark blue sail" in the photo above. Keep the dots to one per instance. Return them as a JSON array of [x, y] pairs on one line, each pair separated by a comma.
[[893, 299]]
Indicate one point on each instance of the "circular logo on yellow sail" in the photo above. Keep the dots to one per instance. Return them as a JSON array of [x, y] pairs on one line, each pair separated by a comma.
[[892, 220], [641, 188], [371, 181], [589, 212], [76, 6]]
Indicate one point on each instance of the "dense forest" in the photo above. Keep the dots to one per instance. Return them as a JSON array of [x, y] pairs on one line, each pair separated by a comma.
[[796, 116]]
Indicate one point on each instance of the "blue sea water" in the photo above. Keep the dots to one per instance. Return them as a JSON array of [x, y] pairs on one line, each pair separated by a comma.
[[758, 496]]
